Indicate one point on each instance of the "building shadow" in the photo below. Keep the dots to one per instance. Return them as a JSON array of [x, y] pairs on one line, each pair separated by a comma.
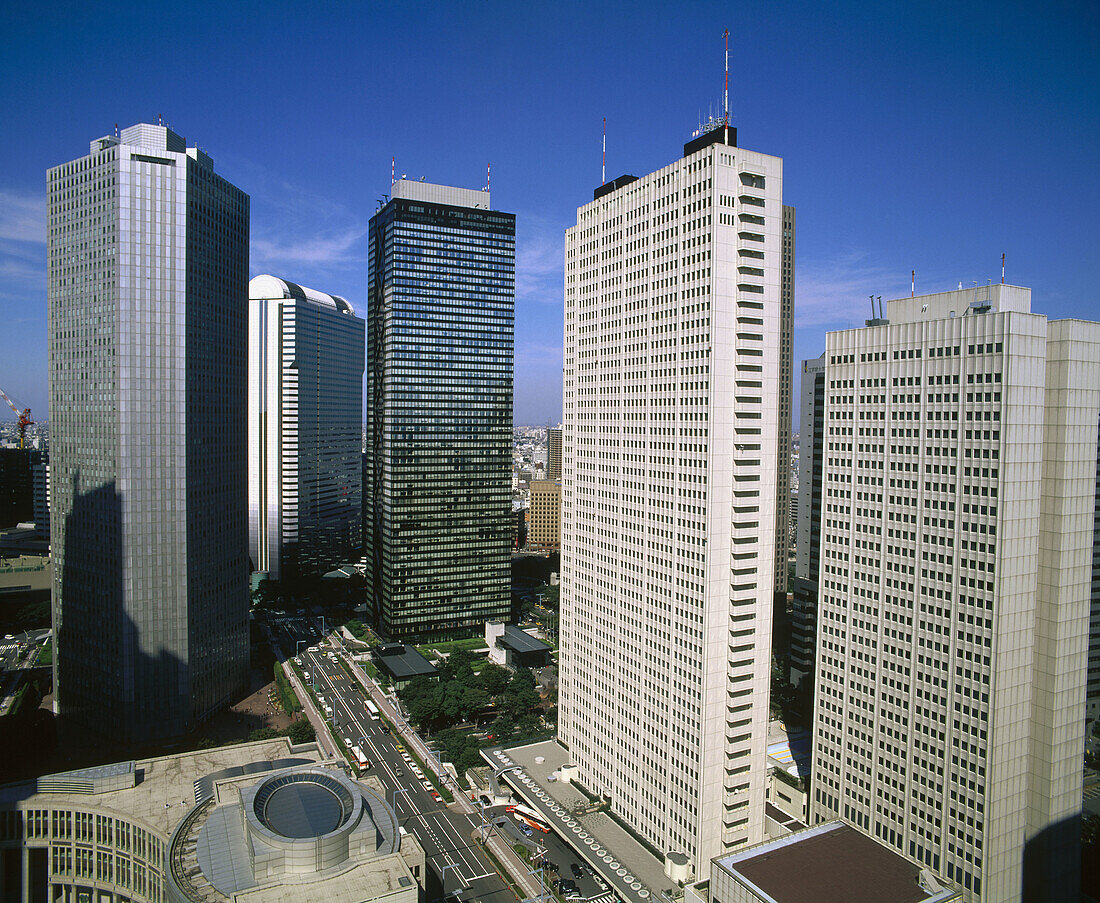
[[1052, 863]]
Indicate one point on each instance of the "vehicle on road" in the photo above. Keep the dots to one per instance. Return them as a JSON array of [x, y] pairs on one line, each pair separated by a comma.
[[361, 759], [575, 869], [347, 742], [529, 816], [372, 710]]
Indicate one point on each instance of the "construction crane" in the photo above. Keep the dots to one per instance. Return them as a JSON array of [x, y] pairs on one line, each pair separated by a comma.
[[24, 417]]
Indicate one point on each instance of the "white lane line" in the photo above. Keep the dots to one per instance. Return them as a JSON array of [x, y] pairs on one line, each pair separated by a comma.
[[461, 843]]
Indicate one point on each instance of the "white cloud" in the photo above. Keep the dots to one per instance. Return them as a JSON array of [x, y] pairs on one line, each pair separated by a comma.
[[539, 260], [338, 248], [535, 353], [22, 217], [836, 294]]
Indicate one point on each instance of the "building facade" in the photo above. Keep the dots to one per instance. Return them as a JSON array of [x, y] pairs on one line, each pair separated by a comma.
[[1092, 687], [148, 292], [783, 446], [553, 453], [305, 421], [544, 528], [808, 542], [440, 323], [669, 437], [956, 539]]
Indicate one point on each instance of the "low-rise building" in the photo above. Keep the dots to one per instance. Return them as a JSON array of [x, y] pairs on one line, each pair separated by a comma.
[[830, 863], [510, 646], [402, 664], [263, 822]]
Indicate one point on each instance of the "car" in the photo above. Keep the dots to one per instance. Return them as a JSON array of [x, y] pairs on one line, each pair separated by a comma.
[[398, 773], [305, 675], [297, 661], [526, 829], [436, 796], [575, 869], [347, 742]]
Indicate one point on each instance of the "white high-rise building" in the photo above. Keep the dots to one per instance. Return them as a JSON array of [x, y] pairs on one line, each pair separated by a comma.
[[956, 551], [305, 422], [670, 432]]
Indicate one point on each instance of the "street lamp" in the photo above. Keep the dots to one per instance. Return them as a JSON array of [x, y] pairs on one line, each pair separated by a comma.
[[298, 648], [403, 790], [443, 879]]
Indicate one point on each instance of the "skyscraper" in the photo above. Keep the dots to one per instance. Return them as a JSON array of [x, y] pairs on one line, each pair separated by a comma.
[[440, 320], [553, 453], [807, 553], [148, 273], [957, 529], [305, 422], [670, 430]]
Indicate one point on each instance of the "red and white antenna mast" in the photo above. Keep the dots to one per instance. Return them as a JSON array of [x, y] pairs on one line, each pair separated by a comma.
[[603, 162], [726, 90], [393, 170], [1002, 269], [488, 174]]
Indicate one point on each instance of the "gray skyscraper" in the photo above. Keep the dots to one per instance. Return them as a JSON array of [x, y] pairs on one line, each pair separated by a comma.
[[148, 288], [440, 319], [804, 609], [305, 422]]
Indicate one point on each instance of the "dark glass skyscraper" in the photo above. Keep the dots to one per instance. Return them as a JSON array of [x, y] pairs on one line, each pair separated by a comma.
[[440, 320]]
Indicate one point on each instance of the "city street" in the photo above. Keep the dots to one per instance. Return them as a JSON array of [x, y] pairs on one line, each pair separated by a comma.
[[446, 835], [463, 869]]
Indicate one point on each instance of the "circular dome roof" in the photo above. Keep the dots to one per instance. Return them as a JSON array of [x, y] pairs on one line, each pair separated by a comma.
[[303, 805]]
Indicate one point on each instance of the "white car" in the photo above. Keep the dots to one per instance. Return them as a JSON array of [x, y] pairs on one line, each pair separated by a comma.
[[305, 674], [347, 743]]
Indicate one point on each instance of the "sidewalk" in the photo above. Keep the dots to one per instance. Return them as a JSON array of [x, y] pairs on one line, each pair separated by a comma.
[[320, 726], [515, 867]]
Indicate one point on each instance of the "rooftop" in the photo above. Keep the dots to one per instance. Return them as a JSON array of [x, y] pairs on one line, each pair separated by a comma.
[[832, 863], [521, 641], [157, 792], [402, 662]]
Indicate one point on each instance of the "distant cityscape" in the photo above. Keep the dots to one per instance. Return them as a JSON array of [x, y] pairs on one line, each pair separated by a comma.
[[292, 608]]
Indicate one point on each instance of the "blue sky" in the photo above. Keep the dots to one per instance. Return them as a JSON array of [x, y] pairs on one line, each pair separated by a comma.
[[929, 136]]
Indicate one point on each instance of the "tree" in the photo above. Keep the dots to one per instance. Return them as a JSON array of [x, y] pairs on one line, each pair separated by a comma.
[[493, 678], [502, 729], [301, 732]]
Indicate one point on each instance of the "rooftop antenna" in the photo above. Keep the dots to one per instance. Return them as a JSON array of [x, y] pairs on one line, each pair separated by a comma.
[[872, 297], [726, 90], [1002, 269], [488, 174], [881, 312], [393, 169], [603, 162], [913, 286]]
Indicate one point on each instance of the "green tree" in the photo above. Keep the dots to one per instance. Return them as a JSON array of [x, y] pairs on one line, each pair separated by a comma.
[[503, 728], [493, 678], [301, 732]]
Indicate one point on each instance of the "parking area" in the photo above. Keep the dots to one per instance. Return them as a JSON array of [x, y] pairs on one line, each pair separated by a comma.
[[630, 871]]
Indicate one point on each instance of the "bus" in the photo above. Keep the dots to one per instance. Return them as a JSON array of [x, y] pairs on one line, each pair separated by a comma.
[[372, 710], [360, 759], [530, 817]]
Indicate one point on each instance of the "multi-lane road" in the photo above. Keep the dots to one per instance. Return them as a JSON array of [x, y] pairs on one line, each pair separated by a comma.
[[463, 870]]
